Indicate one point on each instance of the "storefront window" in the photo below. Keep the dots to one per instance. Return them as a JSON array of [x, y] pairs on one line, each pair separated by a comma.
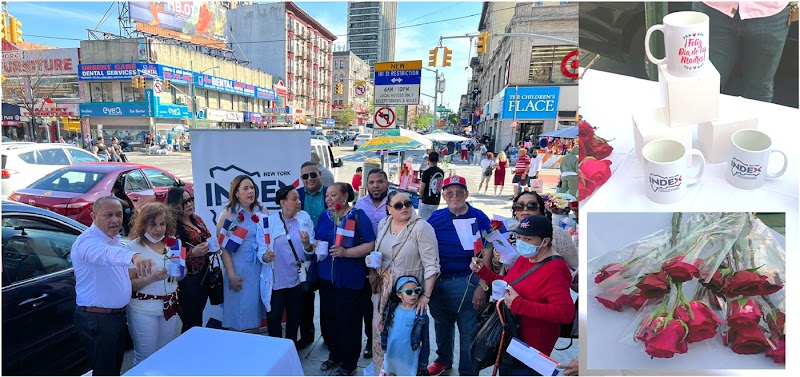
[[129, 93], [102, 91], [58, 87], [546, 65]]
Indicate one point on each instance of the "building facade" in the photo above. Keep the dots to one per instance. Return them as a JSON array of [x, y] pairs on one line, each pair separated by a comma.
[[519, 88], [282, 39], [371, 30], [204, 91], [350, 71]]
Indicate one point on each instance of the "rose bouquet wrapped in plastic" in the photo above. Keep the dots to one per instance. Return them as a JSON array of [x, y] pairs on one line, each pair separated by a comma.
[[593, 167]]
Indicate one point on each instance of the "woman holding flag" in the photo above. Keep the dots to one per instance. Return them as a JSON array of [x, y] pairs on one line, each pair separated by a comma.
[[241, 229], [154, 303], [343, 274]]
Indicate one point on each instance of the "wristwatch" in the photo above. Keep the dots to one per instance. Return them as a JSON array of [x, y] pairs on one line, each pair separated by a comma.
[[484, 286]]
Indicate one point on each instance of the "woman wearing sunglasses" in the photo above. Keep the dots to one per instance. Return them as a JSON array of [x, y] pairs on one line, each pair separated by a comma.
[[409, 248], [193, 233]]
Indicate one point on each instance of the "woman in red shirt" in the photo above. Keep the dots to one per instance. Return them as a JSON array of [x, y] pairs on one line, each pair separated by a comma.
[[541, 300]]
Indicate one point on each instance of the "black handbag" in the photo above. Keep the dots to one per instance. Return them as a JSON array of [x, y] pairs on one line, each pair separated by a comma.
[[570, 330], [213, 280]]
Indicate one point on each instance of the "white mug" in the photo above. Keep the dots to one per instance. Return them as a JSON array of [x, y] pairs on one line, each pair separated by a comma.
[[665, 170], [499, 288], [685, 43], [750, 152], [374, 259], [321, 250]]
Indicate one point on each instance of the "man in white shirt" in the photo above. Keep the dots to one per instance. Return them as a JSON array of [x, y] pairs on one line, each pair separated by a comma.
[[327, 175], [536, 166], [103, 286]]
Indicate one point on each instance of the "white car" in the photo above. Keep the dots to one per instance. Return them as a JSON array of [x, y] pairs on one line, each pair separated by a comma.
[[25, 163], [360, 140]]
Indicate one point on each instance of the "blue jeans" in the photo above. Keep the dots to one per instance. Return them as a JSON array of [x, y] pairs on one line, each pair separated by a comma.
[[447, 295], [756, 45]]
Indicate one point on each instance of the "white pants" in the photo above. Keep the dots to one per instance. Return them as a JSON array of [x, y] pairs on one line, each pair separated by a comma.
[[426, 210], [149, 333]]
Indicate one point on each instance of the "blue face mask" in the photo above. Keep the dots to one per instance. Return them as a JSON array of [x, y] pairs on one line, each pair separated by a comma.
[[525, 249]]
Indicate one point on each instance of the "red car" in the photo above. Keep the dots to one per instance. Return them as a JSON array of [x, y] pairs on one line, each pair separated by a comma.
[[70, 191]]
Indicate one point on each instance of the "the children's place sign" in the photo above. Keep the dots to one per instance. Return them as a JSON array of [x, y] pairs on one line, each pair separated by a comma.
[[531, 102]]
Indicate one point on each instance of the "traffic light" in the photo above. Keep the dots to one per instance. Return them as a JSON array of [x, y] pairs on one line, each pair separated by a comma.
[[141, 82], [4, 27], [434, 57], [339, 88], [14, 30], [448, 55], [135, 81], [166, 84], [483, 40]]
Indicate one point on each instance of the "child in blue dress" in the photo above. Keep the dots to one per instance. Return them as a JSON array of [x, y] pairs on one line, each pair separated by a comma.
[[405, 333]]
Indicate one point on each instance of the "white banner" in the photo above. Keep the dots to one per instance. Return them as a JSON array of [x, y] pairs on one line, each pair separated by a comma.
[[271, 157]]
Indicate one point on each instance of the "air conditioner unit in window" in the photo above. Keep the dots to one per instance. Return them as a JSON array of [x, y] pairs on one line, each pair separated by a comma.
[[181, 100]]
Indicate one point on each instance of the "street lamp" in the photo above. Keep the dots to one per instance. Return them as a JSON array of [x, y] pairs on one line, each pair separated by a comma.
[[194, 97]]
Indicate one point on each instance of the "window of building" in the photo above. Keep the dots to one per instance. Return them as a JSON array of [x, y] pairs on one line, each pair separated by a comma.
[[59, 87], [102, 91], [129, 93], [546, 65]]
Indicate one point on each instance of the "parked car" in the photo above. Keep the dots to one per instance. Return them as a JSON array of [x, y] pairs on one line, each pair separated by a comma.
[[333, 139], [360, 140], [351, 135], [24, 162], [39, 293], [70, 191]]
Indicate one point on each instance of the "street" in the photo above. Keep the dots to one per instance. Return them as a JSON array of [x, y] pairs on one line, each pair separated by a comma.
[[179, 163]]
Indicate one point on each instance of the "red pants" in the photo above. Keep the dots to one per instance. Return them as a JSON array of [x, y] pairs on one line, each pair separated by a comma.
[[464, 155]]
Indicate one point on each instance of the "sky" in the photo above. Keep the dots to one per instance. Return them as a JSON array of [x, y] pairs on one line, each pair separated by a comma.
[[64, 24]]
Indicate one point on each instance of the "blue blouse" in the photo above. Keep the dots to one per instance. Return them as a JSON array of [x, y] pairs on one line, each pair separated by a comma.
[[345, 272]]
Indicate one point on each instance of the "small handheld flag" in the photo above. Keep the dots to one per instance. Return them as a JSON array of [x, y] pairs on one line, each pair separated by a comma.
[[345, 233]]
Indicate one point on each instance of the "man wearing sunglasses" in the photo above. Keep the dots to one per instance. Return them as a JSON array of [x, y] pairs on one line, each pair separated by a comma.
[[312, 199]]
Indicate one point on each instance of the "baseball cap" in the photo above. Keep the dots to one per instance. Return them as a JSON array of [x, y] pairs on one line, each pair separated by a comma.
[[535, 226], [454, 180]]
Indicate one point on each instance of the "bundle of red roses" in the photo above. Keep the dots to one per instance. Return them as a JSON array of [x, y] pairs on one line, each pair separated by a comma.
[[593, 168]]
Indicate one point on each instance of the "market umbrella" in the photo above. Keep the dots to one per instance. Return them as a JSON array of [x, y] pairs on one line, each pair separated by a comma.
[[390, 144], [180, 129], [444, 137], [570, 133], [426, 143]]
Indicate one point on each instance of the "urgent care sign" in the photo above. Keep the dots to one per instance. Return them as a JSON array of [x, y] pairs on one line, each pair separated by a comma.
[[53, 62]]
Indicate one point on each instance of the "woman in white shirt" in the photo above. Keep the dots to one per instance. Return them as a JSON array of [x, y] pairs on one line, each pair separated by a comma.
[[152, 318], [487, 171]]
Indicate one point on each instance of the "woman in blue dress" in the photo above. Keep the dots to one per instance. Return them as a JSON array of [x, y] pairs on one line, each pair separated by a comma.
[[242, 307]]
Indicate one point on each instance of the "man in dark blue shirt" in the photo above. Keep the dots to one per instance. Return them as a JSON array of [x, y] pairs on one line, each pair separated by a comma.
[[457, 294]]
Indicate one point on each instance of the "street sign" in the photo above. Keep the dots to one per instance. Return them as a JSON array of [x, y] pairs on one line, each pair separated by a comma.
[[361, 90], [398, 83], [384, 120], [158, 87], [330, 122]]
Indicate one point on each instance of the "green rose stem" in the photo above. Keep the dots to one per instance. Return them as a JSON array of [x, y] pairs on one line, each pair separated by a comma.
[[676, 223]]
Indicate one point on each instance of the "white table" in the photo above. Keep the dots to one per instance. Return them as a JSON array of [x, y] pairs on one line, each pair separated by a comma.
[[605, 355], [607, 101], [210, 352]]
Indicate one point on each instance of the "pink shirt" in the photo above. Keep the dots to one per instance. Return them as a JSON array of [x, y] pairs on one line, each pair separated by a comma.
[[748, 9]]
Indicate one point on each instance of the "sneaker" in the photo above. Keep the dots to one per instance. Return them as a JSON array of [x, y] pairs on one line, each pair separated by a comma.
[[437, 369]]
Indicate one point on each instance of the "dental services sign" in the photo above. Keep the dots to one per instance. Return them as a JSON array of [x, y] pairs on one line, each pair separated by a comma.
[[532, 102]]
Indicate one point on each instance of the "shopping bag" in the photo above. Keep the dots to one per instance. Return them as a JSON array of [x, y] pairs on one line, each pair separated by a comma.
[[536, 185], [486, 344]]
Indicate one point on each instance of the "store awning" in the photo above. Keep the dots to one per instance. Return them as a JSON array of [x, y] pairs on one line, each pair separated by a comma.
[[72, 125]]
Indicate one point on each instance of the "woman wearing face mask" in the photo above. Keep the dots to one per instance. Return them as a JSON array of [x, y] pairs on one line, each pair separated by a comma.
[[243, 309], [151, 311], [541, 300]]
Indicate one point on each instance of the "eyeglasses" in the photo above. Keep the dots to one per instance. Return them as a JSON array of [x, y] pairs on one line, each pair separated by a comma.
[[456, 194], [531, 206], [309, 175], [409, 292], [398, 206], [187, 201]]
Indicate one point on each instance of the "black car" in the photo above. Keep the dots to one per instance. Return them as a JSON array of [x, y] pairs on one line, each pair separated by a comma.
[[39, 293]]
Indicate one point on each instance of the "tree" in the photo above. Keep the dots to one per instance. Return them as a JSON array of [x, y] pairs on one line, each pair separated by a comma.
[[346, 116], [422, 121], [454, 119]]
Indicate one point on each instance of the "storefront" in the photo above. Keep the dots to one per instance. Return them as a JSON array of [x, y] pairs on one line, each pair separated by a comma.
[[252, 119], [12, 127]]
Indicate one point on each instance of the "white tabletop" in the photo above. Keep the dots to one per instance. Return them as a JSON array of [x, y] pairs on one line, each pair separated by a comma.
[[608, 232], [203, 351], [607, 101]]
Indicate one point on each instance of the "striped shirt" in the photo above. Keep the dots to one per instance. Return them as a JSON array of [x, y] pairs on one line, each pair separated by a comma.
[[522, 164]]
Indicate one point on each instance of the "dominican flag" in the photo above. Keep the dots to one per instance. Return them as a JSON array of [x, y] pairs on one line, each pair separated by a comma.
[[232, 240], [477, 241], [346, 233], [381, 153], [177, 257], [265, 225]]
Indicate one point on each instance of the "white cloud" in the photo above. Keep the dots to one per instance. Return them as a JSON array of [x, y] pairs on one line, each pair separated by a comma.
[[39, 10]]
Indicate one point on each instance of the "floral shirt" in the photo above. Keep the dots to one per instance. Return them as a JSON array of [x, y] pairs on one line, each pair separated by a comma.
[[194, 264]]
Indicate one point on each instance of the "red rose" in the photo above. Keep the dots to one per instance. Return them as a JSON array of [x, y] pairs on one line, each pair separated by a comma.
[[496, 224], [747, 283], [615, 304], [337, 206], [585, 188], [668, 341], [679, 270], [240, 216], [704, 324], [600, 148], [636, 301], [743, 312], [607, 271], [778, 355], [254, 218], [777, 322], [583, 150], [585, 132], [716, 283], [654, 285], [647, 329], [170, 241], [595, 171], [748, 339]]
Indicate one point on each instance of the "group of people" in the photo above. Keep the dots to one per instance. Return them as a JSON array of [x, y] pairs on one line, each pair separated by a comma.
[[108, 153], [422, 265]]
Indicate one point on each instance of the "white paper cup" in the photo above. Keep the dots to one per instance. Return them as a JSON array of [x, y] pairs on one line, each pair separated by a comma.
[[321, 250], [374, 259], [499, 288]]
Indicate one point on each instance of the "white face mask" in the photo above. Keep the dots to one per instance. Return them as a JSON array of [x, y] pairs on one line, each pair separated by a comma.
[[152, 239]]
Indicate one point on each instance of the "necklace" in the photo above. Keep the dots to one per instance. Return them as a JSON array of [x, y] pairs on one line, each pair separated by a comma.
[[396, 232]]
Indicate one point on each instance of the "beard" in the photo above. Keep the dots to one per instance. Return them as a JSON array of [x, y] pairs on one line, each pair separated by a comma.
[[379, 195]]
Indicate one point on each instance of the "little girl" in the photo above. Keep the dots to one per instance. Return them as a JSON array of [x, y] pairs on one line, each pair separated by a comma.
[[405, 333]]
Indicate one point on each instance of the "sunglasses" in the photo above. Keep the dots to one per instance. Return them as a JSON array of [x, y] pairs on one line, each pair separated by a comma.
[[530, 206], [309, 175], [409, 292], [398, 206], [187, 201]]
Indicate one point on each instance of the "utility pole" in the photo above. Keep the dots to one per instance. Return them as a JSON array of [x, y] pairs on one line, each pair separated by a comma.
[[435, 93]]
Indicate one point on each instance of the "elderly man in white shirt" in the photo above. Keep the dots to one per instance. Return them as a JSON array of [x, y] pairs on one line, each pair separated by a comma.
[[103, 286], [327, 175]]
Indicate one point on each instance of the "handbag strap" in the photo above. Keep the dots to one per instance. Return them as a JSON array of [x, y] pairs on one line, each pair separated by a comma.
[[535, 267], [388, 226], [291, 244]]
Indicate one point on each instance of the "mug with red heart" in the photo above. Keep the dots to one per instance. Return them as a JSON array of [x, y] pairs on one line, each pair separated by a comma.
[[685, 43]]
